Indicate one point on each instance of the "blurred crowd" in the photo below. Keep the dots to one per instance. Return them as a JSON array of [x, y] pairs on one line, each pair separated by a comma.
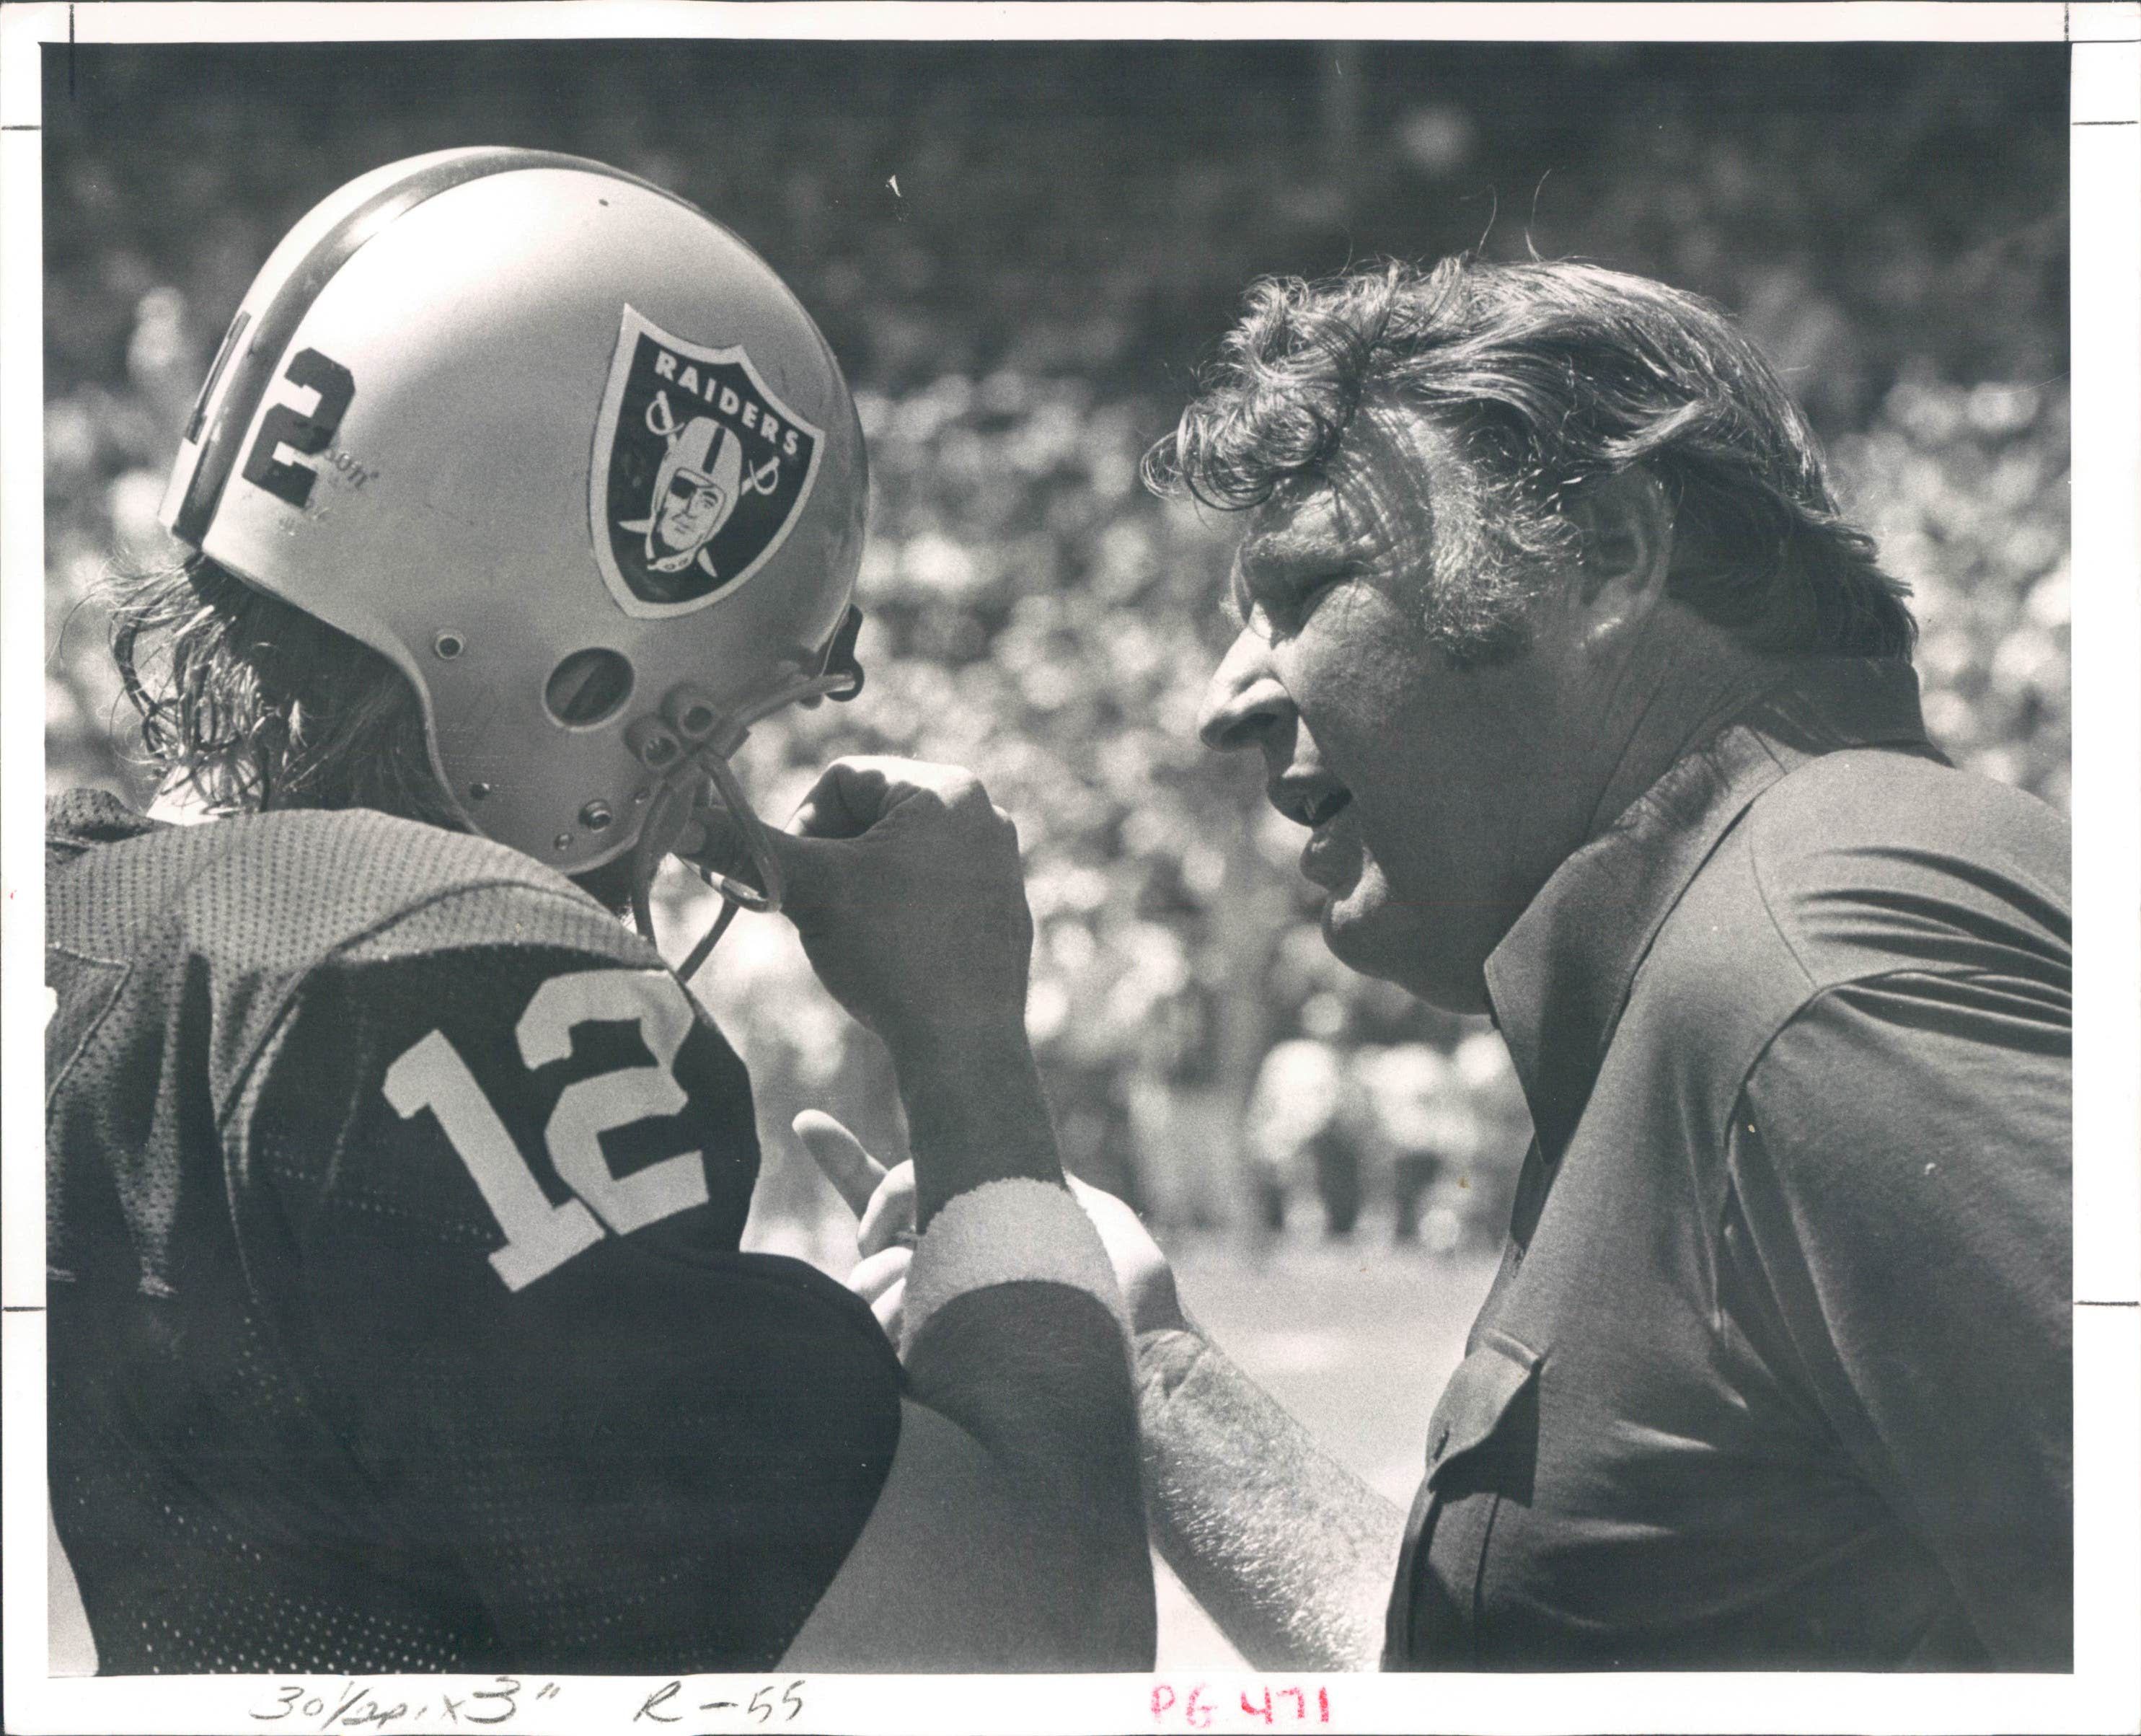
[[1021, 253]]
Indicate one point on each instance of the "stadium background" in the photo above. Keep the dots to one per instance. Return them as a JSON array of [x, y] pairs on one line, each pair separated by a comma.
[[1021, 253]]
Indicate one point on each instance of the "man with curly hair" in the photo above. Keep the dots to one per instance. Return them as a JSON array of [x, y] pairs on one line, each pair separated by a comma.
[[1601, 720]]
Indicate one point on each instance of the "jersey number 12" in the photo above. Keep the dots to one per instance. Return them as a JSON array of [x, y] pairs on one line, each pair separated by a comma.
[[541, 1236]]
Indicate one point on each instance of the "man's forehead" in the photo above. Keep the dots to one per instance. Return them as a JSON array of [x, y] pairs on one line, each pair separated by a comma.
[[1376, 487]]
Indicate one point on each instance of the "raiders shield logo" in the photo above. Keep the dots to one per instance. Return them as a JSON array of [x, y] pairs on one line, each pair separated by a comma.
[[699, 471]]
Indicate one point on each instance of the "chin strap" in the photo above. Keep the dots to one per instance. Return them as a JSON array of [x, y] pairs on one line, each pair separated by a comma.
[[704, 950], [688, 816], [699, 800]]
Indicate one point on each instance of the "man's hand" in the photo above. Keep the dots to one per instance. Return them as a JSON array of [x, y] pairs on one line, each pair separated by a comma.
[[902, 881], [885, 1237]]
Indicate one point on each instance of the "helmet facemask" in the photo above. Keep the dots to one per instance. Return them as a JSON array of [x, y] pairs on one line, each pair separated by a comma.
[[698, 812]]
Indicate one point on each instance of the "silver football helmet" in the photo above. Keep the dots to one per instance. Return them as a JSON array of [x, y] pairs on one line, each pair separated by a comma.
[[573, 457]]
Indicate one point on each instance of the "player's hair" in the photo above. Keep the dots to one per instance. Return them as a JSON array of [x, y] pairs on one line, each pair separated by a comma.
[[253, 704], [1546, 376]]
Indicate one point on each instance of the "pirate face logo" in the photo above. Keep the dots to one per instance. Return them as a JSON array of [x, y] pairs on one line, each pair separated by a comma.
[[699, 472], [695, 491]]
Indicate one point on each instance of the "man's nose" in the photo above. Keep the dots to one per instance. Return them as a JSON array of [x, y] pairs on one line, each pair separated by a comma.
[[1244, 702]]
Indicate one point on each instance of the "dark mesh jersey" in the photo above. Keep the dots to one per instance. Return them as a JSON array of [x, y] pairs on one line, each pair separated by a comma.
[[398, 1320]]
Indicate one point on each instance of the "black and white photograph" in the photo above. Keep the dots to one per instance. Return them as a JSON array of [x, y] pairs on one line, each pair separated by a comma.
[[1008, 868]]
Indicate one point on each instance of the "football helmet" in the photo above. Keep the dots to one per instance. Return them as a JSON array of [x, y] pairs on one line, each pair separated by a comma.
[[573, 457]]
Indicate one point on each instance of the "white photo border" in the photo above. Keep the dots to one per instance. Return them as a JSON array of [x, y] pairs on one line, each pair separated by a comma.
[[2105, 1691]]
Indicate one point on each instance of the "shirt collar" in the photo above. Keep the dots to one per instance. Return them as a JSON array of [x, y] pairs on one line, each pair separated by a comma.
[[1560, 977]]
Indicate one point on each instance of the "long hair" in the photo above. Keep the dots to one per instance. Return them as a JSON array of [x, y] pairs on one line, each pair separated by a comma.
[[253, 704], [1548, 376]]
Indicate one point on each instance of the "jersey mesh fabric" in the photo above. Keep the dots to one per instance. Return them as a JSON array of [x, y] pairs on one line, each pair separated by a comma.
[[300, 1420]]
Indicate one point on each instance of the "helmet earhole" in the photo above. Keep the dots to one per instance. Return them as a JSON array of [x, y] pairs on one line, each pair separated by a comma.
[[448, 646], [588, 686]]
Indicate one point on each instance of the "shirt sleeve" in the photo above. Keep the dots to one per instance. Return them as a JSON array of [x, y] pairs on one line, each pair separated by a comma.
[[1901, 1158], [491, 1200]]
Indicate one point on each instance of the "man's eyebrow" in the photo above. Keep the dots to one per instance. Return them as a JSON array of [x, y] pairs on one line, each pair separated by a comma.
[[1276, 547], [1275, 556]]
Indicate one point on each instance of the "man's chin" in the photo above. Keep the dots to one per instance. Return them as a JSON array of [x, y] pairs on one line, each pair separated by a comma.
[[1366, 934], [1378, 937]]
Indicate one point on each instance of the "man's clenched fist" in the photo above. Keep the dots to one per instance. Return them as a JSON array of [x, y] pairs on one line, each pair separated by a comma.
[[903, 882]]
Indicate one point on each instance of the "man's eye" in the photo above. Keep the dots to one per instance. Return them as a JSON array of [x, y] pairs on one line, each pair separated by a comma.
[[1287, 606]]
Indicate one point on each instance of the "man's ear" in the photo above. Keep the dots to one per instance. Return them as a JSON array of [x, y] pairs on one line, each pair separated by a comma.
[[1625, 523]]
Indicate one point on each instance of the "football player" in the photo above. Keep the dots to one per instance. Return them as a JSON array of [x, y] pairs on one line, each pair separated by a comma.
[[397, 1320]]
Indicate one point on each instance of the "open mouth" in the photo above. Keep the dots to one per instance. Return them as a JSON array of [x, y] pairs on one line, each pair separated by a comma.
[[1325, 807]]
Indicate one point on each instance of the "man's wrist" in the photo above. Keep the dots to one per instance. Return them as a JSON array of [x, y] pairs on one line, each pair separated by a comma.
[[975, 1111], [952, 1043]]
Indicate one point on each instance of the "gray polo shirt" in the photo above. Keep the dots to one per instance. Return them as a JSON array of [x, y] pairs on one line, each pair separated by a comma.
[[1777, 1370]]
